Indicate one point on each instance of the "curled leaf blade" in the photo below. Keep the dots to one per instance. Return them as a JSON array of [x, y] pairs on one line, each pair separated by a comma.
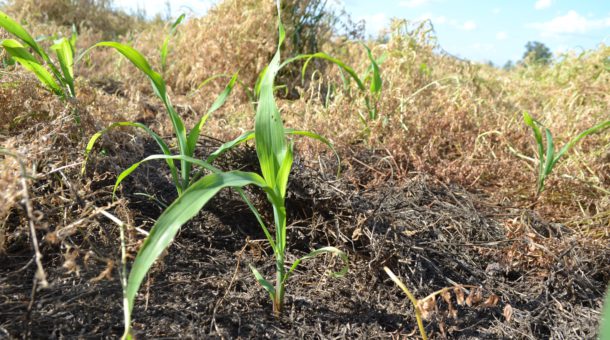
[[162, 145], [193, 135], [164, 48], [65, 55], [324, 250], [263, 282], [42, 74], [177, 214], [17, 30]]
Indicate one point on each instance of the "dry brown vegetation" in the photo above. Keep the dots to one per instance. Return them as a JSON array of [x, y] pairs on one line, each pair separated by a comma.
[[451, 122]]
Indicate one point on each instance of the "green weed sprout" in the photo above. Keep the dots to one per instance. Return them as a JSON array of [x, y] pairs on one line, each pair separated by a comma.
[[187, 142], [547, 158], [59, 80]]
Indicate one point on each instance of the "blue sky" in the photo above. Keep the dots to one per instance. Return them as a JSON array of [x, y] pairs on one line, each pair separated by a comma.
[[476, 30]]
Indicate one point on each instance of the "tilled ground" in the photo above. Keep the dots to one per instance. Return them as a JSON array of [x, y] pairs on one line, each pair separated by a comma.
[[518, 277]]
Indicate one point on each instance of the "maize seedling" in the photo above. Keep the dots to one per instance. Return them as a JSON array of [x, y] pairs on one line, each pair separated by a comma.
[[187, 142], [59, 82], [275, 155], [547, 158]]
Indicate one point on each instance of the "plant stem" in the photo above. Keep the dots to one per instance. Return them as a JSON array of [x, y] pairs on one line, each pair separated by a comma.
[[414, 301], [278, 303]]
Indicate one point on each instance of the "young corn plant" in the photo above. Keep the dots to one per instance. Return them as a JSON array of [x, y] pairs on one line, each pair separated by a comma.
[[59, 80], [187, 141], [275, 155], [373, 74], [547, 158]]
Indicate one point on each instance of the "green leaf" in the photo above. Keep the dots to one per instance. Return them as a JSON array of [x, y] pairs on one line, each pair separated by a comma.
[[258, 218], [138, 60], [324, 56], [284, 171], [193, 135], [324, 250], [249, 135], [15, 49], [375, 87], [320, 138], [21, 55], [65, 55], [529, 121], [206, 81], [259, 79], [550, 152], [15, 29], [422, 67], [246, 136], [166, 42], [178, 213], [246, 89], [573, 141], [548, 160], [382, 58], [166, 157], [72, 39], [266, 284], [268, 125], [537, 135], [222, 97], [204, 165], [162, 145], [43, 75]]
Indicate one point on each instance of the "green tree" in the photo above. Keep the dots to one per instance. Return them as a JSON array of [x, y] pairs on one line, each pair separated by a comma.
[[537, 52]]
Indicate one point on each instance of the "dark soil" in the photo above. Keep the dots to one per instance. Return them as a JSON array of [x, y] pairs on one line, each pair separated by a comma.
[[525, 278]]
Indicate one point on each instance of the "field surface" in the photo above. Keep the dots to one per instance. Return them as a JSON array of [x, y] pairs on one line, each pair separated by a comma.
[[438, 182]]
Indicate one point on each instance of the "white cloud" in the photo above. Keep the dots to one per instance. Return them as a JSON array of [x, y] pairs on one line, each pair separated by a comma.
[[375, 22], [436, 20], [413, 3], [469, 25], [572, 22], [486, 47], [496, 10], [542, 4], [561, 49], [501, 35]]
